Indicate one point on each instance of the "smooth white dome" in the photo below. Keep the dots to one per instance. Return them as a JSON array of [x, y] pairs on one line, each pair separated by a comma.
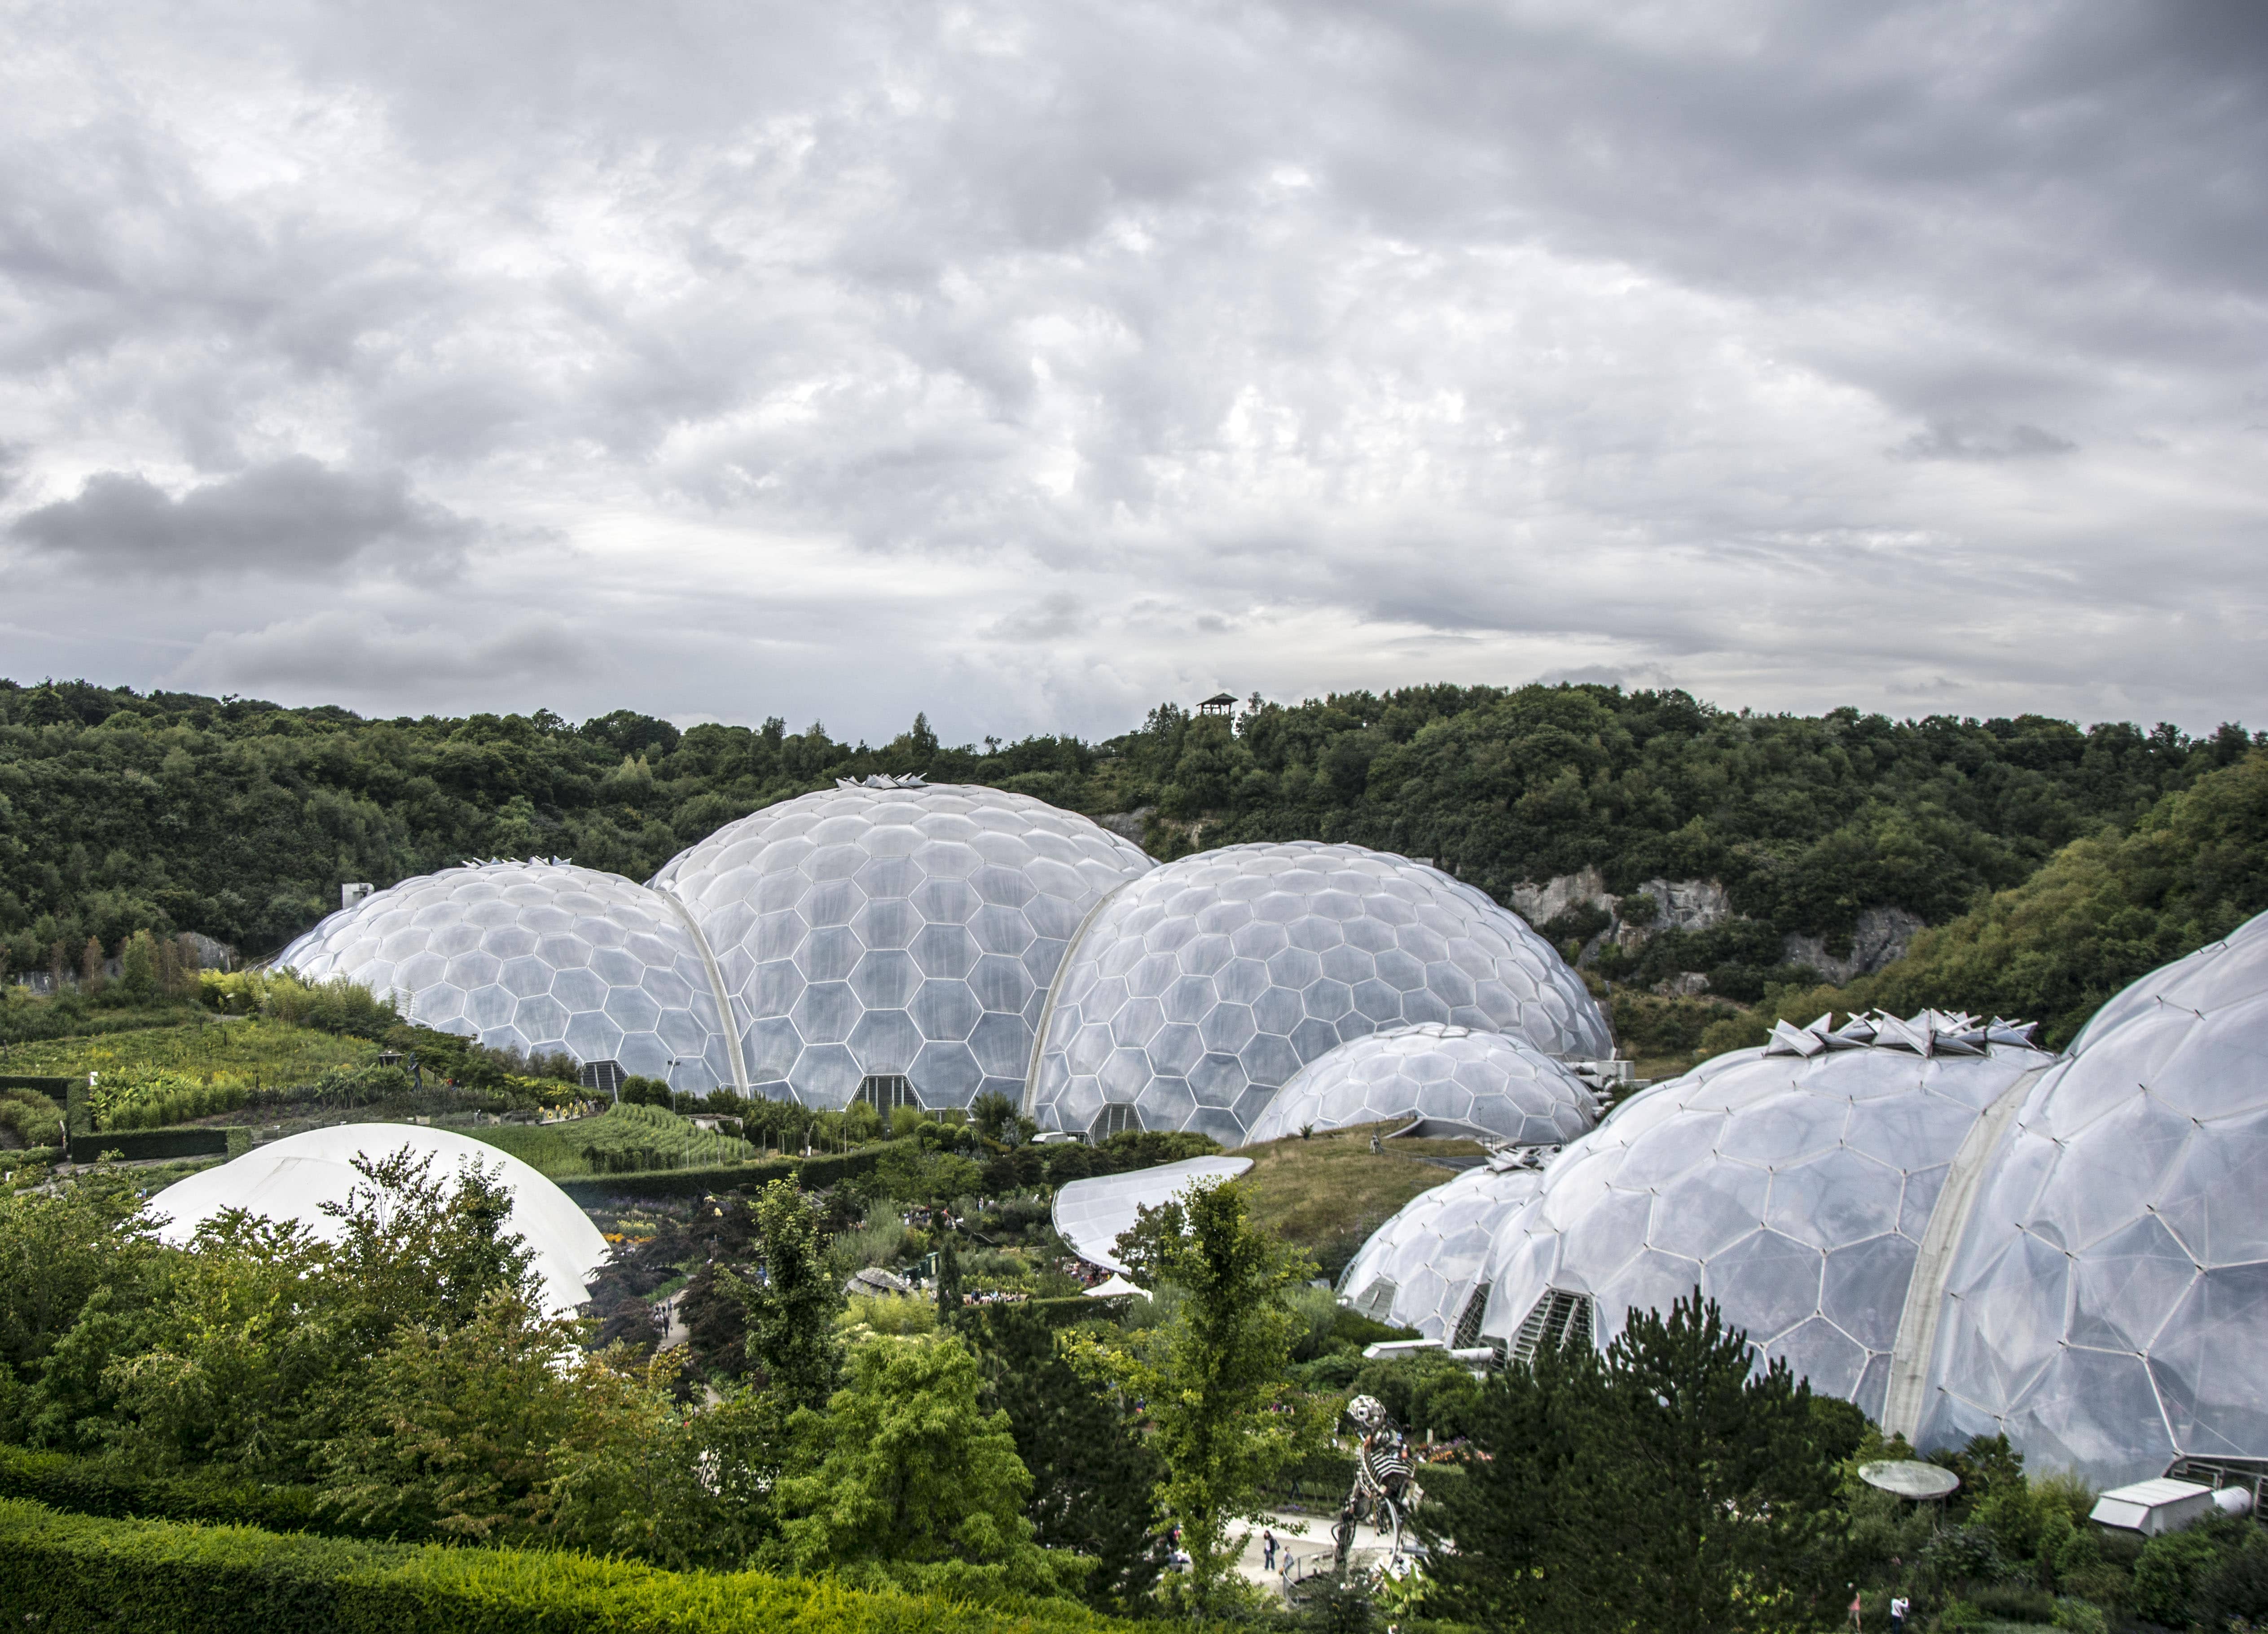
[[2107, 1309], [1197, 991], [536, 956], [291, 1180], [1488, 1086], [899, 930]]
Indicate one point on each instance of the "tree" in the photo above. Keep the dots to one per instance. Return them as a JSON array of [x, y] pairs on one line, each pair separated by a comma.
[[1213, 1374], [791, 1301], [1666, 1484], [1094, 1480], [907, 1478], [948, 1277], [454, 1425]]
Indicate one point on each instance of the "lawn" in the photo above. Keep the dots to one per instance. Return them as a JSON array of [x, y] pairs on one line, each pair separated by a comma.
[[1330, 1192]]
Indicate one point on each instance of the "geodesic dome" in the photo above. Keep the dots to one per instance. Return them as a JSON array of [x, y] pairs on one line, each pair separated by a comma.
[[1198, 990], [1424, 1268], [1486, 1085], [2107, 1307], [1794, 1188], [291, 1179], [537, 956], [898, 935]]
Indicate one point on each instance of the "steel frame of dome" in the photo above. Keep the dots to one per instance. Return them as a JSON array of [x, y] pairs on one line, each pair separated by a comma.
[[539, 956], [1461, 1081], [1195, 992], [2108, 1304], [1795, 1191], [895, 928]]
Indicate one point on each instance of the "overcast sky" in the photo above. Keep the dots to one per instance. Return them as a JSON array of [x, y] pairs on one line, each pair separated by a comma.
[[1030, 363]]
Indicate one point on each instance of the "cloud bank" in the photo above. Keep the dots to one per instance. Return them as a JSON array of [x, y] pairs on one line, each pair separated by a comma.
[[1029, 363]]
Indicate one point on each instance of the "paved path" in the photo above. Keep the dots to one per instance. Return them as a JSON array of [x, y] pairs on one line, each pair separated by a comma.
[[1311, 1549]]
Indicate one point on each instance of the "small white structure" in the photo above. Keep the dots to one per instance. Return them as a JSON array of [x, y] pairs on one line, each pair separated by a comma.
[[2152, 1507], [291, 1180], [1091, 1214]]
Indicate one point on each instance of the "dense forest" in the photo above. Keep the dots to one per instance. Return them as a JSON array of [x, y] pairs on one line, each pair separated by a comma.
[[172, 812]]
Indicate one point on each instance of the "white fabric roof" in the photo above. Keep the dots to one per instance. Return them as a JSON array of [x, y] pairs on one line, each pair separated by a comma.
[[290, 1180], [1090, 1214]]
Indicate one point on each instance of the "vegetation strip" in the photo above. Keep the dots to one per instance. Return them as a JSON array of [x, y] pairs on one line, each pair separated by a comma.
[[76, 1572]]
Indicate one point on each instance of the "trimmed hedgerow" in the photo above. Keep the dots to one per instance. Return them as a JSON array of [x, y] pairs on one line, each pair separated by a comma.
[[85, 1487], [72, 1572]]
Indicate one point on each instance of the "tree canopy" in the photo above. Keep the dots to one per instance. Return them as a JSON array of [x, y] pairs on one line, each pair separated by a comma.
[[238, 819]]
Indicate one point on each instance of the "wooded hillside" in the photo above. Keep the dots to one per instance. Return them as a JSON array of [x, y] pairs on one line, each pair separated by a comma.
[[236, 818]]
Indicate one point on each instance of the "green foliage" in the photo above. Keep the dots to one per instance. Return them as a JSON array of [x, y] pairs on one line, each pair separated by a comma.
[[1094, 1477], [906, 1478], [1664, 1484], [1213, 1372], [241, 1353], [253, 1055], [239, 818], [790, 1306], [31, 1117], [101, 1487], [2104, 910], [625, 1139], [68, 1573], [2175, 1566]]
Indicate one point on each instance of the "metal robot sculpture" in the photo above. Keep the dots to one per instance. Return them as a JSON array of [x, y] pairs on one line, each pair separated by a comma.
[[1384, 1492]]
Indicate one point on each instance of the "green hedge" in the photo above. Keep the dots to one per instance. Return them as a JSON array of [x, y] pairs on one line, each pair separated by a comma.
[[133, 1144], [87, 1488], [56, 1089], [30, 1155], [71, 1572]]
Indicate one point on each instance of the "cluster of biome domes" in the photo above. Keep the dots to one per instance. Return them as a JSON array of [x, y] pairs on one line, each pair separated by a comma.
[[927, 944], [1929, 1215]]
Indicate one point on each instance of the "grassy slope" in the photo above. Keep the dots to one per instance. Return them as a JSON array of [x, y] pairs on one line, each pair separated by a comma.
[[255, 1050], [559, 1150], [1329, 1193]]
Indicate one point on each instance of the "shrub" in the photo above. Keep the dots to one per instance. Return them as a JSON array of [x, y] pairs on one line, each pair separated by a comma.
[[74, 1571]]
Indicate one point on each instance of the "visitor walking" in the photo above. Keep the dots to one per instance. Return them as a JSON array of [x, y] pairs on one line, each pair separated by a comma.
[[1898, 1614], [1268, 1551]]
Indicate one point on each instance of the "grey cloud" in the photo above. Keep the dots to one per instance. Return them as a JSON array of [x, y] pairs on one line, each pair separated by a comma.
[[2018, 442], [1357, 341], [1049, 617], [292, 517], [337, 653]]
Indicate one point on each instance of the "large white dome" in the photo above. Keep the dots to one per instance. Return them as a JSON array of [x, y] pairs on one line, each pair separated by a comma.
[[1424, 1268], [1197, 992], [1794, 1190], [897, 932], [1486, 1085], [291, 1180], [2107, 1309], [538, 956]]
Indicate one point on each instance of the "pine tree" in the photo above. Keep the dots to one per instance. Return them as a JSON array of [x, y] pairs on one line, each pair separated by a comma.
[[948, 1278], [1094, 1479], [1664, 1484]]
